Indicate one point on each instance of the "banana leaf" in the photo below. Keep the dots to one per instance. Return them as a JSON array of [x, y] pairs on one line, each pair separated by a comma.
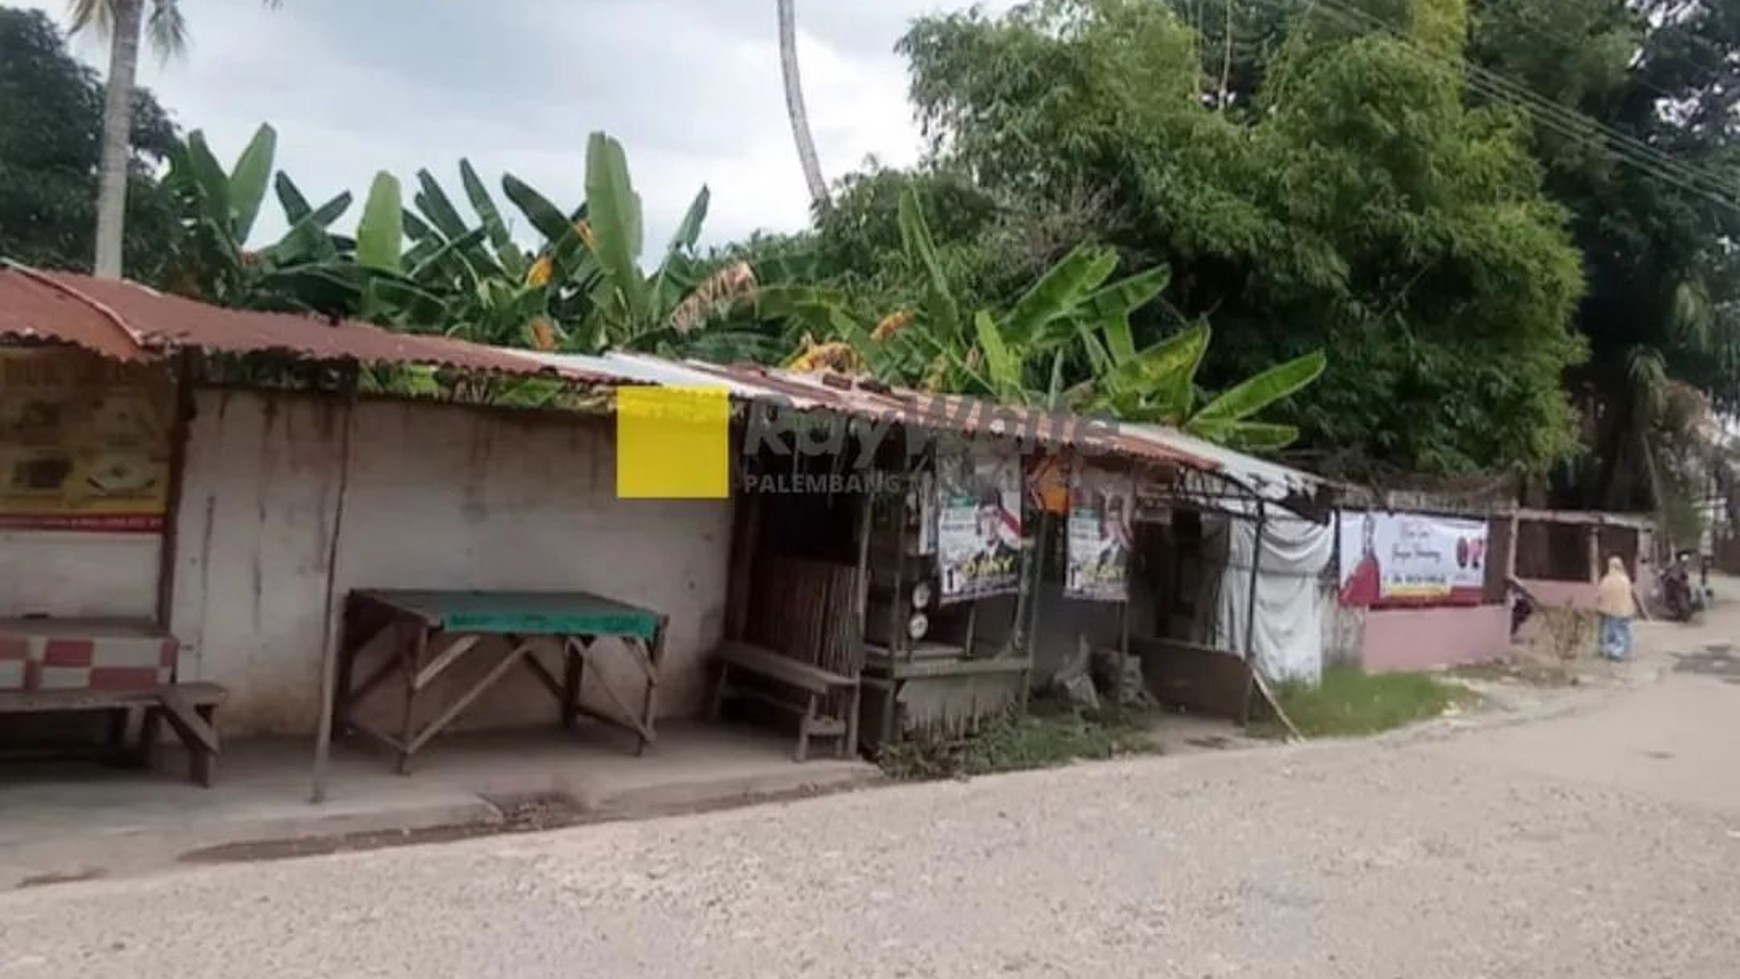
[[435, 205], [296, 206], [944, 312], [1057, 292], [382, 231], [614, 215], [1259, 436], [1261, 391], [450, 256], [247, 182], [544, 216], [209, 177], [1004, 368], [688, 232], [1161, 375], [507, 253]]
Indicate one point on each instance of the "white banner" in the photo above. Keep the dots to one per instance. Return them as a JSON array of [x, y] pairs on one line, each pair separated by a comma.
[[1410, 559]]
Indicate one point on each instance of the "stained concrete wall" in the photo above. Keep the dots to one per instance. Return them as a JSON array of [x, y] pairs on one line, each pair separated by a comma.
[[78, 574], [1423, 638], [438, 496]]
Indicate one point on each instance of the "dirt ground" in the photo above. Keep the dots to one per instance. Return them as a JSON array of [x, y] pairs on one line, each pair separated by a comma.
[[1566, 830], [1584, 833]]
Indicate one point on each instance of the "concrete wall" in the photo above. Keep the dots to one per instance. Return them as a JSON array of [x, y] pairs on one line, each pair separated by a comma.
[[438, 497], [78, 574], [1417, 639]]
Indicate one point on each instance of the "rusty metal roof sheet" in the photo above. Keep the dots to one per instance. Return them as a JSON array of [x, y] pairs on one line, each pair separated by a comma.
[[127, 321], [870, 400], [33, 307], [959, 413]]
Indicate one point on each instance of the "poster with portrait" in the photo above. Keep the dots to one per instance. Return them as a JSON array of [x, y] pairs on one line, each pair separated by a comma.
[[84, 443], [1098, 560], [978, 516], [1411, 559]]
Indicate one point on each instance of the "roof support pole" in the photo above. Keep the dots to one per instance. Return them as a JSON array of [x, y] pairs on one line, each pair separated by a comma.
[[329, 649]]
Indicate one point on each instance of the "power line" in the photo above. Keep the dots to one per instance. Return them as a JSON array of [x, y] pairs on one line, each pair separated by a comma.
[[1560, 119]]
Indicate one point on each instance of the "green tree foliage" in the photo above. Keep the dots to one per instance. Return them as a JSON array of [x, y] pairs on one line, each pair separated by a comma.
[[1630, 107], [1065, 341], [1361, 206], [51, 118]]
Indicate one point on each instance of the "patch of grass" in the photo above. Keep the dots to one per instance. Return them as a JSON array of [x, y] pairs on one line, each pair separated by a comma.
[[1352, 702], [1011, 743]]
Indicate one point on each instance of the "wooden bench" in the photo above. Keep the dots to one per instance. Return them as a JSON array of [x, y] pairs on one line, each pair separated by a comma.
[[812, 685], [188, 707]]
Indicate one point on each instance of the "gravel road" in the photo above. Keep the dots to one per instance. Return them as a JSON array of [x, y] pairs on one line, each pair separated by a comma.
[[1416, 857]]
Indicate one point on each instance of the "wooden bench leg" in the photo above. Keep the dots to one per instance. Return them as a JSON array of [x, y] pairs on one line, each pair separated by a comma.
[[204, 763], [150, 732], [849, 745], [118, 721], [721, 689], [573, 673], [803, 744]]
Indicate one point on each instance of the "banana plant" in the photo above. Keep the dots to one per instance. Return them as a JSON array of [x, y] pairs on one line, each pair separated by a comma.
[[670, 308], [1068, 323], [218, 209]]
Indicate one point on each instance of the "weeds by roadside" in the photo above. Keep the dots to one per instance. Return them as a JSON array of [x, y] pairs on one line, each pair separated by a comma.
[[1352, 702], [1040, 739]]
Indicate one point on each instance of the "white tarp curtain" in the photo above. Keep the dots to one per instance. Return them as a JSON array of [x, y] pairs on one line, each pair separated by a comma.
[[1291, 598]]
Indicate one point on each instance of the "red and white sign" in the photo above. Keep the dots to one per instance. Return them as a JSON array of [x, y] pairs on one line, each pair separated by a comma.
[[64, 662], [1411, 559]]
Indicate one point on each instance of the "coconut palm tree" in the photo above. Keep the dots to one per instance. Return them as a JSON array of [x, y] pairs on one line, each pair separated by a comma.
[[123, 22], [794, 104]]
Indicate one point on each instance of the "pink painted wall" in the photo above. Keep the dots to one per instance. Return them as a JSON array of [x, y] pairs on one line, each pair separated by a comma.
[[1422, 638], [1556, 594]]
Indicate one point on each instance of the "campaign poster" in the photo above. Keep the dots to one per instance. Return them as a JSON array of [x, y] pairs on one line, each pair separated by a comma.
[[1411, 559], [978, 516], [84, 443], [1098, 559]]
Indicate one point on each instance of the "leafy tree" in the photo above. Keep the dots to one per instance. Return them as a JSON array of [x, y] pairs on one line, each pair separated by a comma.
[[51, 116], [1362, 207]]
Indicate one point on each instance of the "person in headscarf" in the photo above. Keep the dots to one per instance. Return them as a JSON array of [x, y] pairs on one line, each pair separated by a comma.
[[1617, 604]]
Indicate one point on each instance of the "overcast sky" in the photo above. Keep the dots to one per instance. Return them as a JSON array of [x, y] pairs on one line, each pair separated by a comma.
[[691, 87]]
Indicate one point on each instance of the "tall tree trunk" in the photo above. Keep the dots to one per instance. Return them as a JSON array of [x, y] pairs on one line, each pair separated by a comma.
[[117, 134], [794, 104]]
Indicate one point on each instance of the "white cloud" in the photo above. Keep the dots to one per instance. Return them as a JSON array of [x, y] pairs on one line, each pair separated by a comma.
[[691, 87]]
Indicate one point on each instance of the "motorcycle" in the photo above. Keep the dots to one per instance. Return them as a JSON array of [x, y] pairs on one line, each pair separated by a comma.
[[1679, 599]]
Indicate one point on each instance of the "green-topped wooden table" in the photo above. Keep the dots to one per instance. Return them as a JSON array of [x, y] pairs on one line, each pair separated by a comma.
[[417, 636]]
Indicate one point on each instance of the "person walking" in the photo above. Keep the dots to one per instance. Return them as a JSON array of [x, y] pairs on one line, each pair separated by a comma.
[[1617, 603]]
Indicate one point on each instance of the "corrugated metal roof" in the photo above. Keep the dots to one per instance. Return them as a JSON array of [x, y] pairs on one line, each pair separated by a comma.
[[127, 321], [33, 307], [916, 409], [1269, 480]]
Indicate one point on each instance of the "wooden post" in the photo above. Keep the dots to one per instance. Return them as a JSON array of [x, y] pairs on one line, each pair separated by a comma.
[[1041, 545], [1515, 542], [1251, 599], [861, 600], [1251, 614], [329, 657], [1123, 642], [1594, 555], [183, 378], [745, 540]]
